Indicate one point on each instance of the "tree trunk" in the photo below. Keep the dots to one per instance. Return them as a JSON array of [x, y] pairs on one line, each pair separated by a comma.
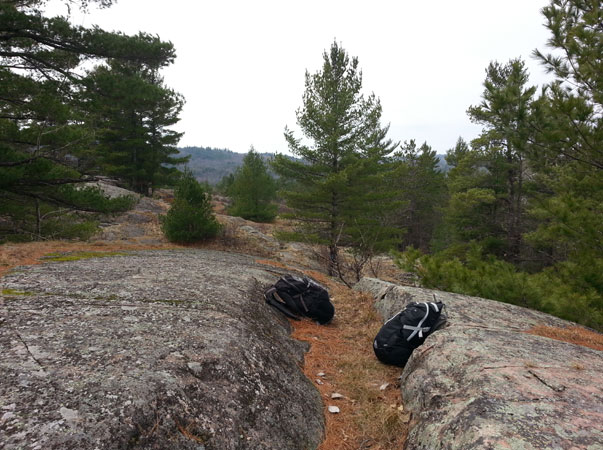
[[38, 219], [332, 262]]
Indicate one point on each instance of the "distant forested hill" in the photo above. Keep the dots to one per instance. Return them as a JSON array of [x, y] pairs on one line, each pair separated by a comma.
[[442, 164], [211, 164]]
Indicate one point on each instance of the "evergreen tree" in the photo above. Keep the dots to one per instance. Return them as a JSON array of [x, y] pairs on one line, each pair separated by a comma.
[[369, 212], [224, 185], [133, 110], [43, 122], [571, 128], [422, 190], [505, 111], [570, 159], [471, 210], [456, 153], [487, 183], [253, 190], [190, 218], [554, 142], [476, 190], [345, 131], [570, 133]]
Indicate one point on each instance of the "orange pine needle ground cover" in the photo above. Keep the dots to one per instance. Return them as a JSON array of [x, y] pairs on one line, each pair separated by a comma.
[[371, 413], [575, 335]]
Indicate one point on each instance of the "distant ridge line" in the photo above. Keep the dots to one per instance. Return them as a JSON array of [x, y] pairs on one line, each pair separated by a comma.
[[210, 164]]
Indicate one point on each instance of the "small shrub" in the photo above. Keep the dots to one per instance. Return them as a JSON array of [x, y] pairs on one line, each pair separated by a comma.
[[70, 227], [93, 198], [190, 218]]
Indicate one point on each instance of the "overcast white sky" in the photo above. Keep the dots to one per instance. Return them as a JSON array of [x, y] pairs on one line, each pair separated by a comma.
[[241, 63]]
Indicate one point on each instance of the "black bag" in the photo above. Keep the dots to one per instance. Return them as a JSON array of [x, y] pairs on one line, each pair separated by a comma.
[[406, 330], [300, 296]]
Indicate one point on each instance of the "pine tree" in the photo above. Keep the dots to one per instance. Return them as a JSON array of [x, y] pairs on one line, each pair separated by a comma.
[[253, 190], [133, 109], [190, 218], [345, 131], [554, 142], [225, 183], [456, 153], [44, 131], [421, 188], [571, 128], [570, 133], [487, 184], [570, 160]]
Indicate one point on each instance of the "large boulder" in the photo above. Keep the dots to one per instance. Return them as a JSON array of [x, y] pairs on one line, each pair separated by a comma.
[[110, 189], [151, 350], [482, 382]]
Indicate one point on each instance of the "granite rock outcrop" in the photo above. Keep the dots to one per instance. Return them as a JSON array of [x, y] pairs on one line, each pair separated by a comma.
[[483, 382], [151, 350]]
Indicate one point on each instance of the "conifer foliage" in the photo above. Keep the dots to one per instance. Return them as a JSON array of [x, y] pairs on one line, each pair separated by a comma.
[[421, 190], [489, 182], [190, 218], [523, 223], [48, 123], [346, 140], [133, 110], [253, 190]]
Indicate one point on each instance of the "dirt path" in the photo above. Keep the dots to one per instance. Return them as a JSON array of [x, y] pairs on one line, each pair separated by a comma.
[[341, 361]]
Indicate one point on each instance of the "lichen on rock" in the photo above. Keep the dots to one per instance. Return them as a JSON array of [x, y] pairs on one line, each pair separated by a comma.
[[151, 350], [482, 382]]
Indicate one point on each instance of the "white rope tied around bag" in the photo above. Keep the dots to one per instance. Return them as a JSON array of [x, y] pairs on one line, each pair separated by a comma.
[[419, 329]]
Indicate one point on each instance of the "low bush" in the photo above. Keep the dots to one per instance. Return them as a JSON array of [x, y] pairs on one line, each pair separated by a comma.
[[571, 291], [190, 218]]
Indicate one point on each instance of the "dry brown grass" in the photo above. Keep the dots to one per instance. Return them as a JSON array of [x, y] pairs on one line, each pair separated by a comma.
[[12, 255], [370, 417], [574, 334], [231, 240]]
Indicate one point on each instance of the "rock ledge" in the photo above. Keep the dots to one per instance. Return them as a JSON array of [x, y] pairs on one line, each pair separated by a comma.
[[151, 350], [482, 383]]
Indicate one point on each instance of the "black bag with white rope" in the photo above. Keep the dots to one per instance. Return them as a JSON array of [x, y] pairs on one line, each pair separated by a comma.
[[300, 296], [407, 330]]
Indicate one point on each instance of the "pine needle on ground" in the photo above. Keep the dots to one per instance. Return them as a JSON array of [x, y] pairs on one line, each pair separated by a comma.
[[574, 334], [371, 413]]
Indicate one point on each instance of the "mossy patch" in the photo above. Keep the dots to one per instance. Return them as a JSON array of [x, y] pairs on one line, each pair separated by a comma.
[[15, 292], [76, 256]]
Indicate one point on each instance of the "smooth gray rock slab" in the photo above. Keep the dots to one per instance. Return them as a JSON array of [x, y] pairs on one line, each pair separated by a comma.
[[151, 350], [481, 382], [112, 191]]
